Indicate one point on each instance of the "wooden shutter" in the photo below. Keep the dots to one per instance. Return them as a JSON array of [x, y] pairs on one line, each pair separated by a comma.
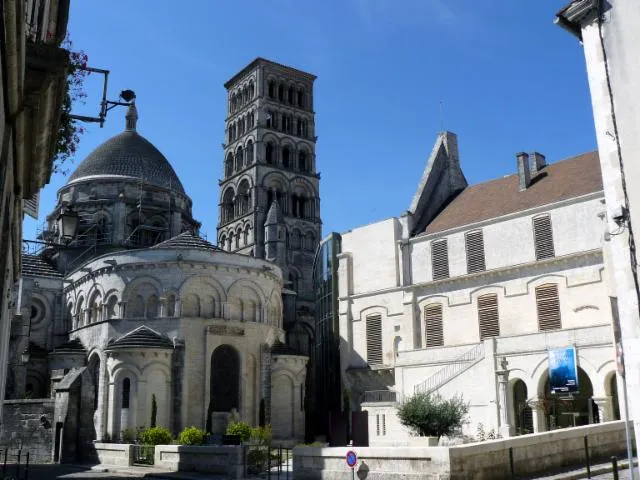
[[374, 339], [548, 306], [440, 259], [474, 245], [434, 336], [488, 316], [543, 237]]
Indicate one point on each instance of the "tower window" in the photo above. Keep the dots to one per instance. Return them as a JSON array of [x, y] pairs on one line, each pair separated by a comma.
[[474, 246], [543, 237], [440, 259], [488, 318], [548, 306], [269, 153], [434, 336], [126, 392], [301, 98], [302, 162], [374, 339], [272, 89], [290, 95], [286, 157], [281, 92]]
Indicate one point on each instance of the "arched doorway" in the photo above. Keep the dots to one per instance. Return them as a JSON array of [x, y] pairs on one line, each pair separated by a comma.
[[571, 410], [225, 382], [522, 410]]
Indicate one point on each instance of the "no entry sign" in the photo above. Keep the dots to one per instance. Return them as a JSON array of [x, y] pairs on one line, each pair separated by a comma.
[[351, 458]]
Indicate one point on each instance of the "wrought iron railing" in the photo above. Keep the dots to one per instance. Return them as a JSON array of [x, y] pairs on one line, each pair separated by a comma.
[[143, 454], [452, 369], [375, 396]]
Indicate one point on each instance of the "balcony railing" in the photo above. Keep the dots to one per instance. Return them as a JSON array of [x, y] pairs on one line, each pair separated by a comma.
[[377, 396]]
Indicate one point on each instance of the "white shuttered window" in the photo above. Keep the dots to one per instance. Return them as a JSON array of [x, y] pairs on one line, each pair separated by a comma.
[[474, 246], [488, 318], [434, 336], [440, 259], [374, 339], [543, 237], [548, 306]]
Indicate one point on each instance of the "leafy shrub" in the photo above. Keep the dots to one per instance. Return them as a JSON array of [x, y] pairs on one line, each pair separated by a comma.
[[261, 435], [156, 436], [129, 435], [191, 436], [242, 429], [431, 415]]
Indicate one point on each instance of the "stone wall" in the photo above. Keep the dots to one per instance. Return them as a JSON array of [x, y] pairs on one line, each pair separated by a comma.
[[225, 460], [536, 453], [119, 454], [28, 425]]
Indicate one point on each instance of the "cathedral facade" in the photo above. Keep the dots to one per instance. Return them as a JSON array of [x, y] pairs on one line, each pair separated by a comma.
[[135, 319]]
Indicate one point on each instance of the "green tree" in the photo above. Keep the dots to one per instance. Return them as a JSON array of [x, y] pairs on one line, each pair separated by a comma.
[[430, 415]]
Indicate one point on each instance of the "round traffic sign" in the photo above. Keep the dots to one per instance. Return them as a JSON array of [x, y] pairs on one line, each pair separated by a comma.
[[351, 458]]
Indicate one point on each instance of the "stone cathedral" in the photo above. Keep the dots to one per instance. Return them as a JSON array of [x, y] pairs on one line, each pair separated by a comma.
[[269, 196], [134, 318]]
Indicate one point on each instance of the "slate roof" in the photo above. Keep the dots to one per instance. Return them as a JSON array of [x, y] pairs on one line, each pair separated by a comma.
[[36, 266], [71, 347], [562, 180], [131, 155], [189, 241], [141, 337]]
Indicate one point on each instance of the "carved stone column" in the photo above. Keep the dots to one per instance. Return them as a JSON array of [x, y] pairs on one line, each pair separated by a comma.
[[503, 395], [605, 413]]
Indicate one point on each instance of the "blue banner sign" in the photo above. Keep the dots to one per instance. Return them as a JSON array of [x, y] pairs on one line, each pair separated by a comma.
[[563, 370]]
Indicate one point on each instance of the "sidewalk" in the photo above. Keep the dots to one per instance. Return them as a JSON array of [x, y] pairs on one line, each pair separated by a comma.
[[600, 471]]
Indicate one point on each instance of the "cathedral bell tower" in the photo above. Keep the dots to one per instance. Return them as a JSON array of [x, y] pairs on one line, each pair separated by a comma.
[[269, 196]]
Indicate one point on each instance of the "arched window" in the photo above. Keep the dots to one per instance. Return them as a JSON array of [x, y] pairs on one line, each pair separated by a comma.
[[299, 127], [290, 95], [272, 89], [227, 206], [269, 156], [225, 381], [152, 306], [171, 300], [246, 234], [244, 197], [285, 123], [126, 392], [252, 90], [301, 98], [249, 152], [281, 92], [302, 161], [239, 159], [238, 237], [80, 313], [286, 157], [111, 307], [223, 242]]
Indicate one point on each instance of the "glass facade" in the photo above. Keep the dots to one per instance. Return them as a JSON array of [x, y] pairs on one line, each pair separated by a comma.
[[327, 339]]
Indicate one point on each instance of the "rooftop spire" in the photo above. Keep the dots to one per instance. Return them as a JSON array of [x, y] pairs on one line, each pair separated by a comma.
[[131, 117]]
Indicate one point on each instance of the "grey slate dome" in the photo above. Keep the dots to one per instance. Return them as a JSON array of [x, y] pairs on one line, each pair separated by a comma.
[[129, 155]]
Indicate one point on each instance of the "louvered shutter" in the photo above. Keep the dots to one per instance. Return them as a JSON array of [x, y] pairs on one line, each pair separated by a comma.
[[433, 326], [374, 339], [548, 306], [543, 237], [488, 316], [440, 259], [474, 245]]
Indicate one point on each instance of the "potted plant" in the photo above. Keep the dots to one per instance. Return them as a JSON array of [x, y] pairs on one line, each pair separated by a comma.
[[430, 416]]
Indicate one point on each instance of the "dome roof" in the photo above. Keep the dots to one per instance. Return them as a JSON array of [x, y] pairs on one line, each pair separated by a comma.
[[129, 155]]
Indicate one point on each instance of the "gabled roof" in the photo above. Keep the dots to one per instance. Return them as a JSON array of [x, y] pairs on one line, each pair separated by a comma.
[[563, 180], [141, 337], [36, 266], [189, 241]]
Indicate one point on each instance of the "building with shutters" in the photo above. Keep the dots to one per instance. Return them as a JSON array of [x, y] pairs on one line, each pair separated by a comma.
[[436, 300], [135, 313]]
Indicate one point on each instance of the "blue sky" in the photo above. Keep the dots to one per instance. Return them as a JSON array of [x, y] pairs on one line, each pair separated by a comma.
[[505, 78]]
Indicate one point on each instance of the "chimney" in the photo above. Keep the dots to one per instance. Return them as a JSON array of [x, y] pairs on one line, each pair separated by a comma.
[[524, 174], [538, 162]]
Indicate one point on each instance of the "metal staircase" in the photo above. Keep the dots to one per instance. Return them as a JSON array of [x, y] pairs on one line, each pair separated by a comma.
[[454, 368]]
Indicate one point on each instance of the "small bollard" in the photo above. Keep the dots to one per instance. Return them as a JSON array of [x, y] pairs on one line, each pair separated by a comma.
[[614, 466], [586, 454]]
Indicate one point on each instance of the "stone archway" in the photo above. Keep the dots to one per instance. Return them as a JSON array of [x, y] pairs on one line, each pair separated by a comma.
[[523, 414], [224, 392], [571, 410]]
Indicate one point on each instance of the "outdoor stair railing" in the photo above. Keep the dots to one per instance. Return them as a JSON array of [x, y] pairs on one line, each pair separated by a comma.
[[452, 369]]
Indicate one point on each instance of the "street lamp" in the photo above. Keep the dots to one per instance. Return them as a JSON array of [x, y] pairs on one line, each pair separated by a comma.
[[67, 223]]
